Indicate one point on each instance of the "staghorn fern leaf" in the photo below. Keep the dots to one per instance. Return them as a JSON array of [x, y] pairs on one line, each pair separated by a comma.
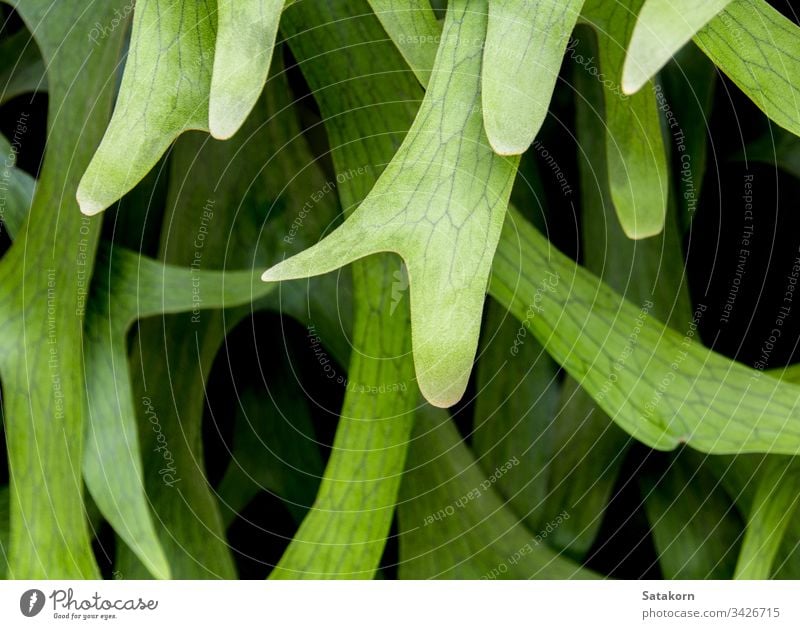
[[134, 407], [440, 204], [191, 65]]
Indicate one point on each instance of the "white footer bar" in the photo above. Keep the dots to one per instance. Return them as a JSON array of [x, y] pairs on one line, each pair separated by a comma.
[[401, 604]]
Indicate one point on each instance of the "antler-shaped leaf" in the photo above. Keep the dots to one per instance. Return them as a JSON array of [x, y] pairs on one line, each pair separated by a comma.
[[164, 92], [168, 86], [440, 204]]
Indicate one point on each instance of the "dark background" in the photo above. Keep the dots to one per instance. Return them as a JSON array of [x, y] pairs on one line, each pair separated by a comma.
[[711, 246]]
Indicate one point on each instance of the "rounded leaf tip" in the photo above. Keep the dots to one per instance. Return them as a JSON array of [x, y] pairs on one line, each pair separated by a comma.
[[88, 206]]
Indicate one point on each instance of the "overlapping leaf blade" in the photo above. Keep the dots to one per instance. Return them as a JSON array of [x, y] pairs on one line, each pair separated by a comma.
[[440, 204], [695, 527], [413, 28], [517, 393], [191, 65], [344, 533], [164, 92], [171, 377], [772, 510], [453, 524], [445, 191], [22, 69], [44, 279], [759, 49], [588, 448], [637, 166], [687, 121], [130, 287], [750, 41], [662, 28], [17, 187], [672, 390]]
